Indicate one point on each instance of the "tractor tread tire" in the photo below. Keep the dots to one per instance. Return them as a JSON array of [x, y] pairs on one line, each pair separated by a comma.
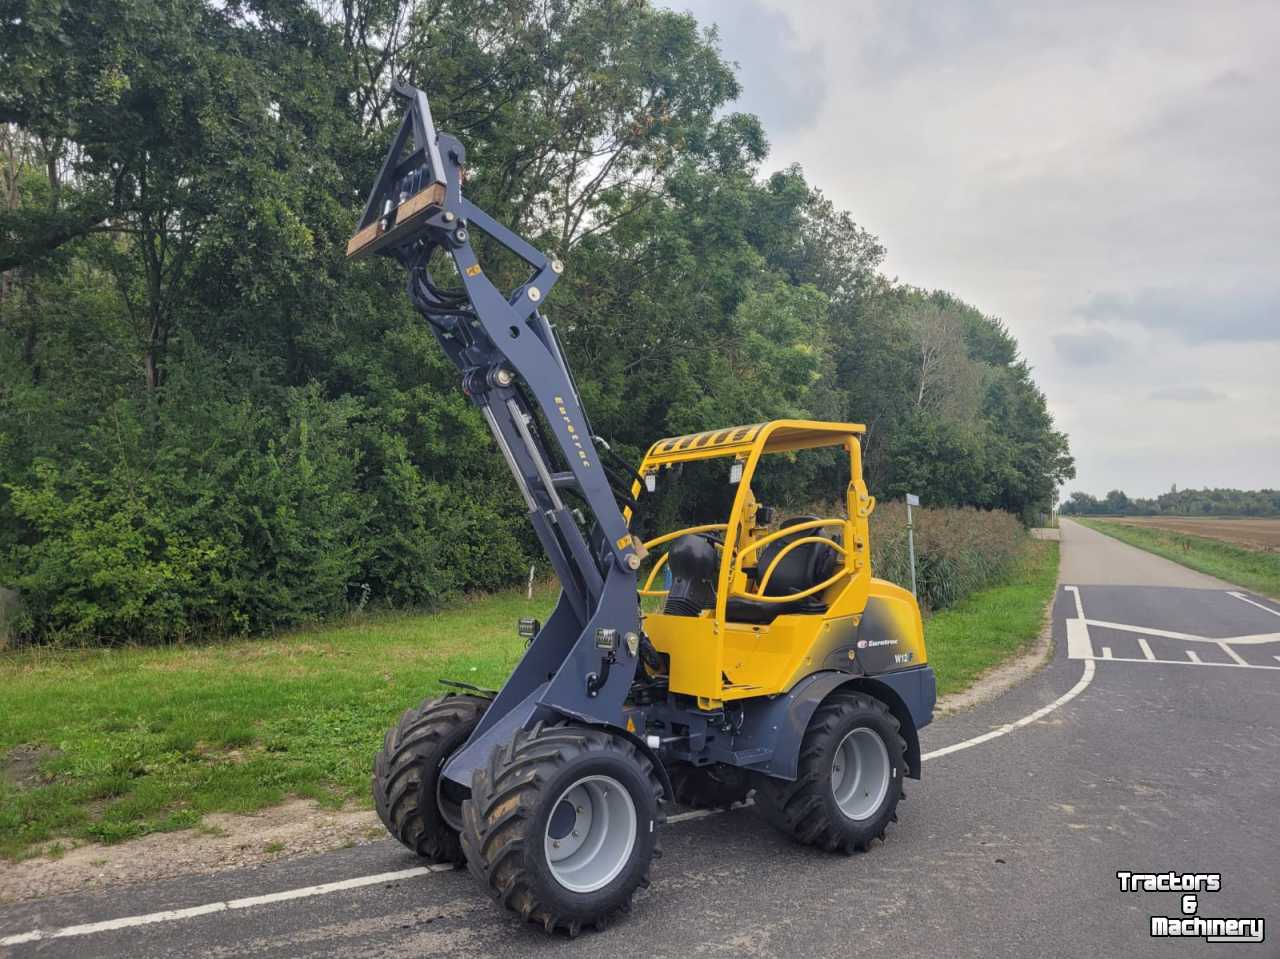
[[499, 824], [406, 770], [805, 808]]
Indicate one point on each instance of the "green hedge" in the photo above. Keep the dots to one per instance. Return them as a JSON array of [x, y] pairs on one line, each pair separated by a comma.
[[958, 551]]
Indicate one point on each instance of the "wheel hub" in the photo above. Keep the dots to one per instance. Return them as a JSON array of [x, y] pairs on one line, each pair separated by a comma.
[[590, 833], [860, 773]]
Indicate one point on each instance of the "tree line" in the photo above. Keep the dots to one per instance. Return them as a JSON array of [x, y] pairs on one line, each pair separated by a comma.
[[1176, 502], [210, 422]]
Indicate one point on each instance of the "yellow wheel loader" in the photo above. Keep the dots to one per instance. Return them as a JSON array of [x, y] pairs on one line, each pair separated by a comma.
[[747, 655]]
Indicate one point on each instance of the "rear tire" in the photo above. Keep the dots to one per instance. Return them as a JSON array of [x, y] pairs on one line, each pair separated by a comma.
[[708, 787], [560, 825], [852, 764], [406, 774]]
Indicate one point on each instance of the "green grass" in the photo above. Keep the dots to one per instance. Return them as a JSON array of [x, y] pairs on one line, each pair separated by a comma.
[[1253, 569], [133, 741], [106, 745], [986, 628]]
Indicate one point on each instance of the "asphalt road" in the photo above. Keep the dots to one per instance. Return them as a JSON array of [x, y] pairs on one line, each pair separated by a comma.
[[1165, 757]]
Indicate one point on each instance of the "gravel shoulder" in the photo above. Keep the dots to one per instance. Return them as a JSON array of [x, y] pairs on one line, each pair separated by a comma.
[[222, 841]]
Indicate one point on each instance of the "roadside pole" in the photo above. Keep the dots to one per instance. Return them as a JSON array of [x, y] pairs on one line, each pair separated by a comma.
[[912, 500]]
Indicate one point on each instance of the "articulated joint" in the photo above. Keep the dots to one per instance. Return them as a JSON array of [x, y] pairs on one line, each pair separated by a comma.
[[478, 381]]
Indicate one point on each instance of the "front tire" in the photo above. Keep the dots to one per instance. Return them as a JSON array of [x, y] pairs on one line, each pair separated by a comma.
[[852, 764], [560, 825], [406, 774]]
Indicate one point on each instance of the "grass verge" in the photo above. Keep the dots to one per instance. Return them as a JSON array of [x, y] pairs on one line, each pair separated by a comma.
[[107, 745], [988, 627], [1257, 570]]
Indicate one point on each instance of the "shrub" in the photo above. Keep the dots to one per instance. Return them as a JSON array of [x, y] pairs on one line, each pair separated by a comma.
[[177, 521], [958, 550]]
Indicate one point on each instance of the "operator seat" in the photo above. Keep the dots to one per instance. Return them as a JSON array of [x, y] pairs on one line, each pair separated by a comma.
[[693, 562], [803, 567]]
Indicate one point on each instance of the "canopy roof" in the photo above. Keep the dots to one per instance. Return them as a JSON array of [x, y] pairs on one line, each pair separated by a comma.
[[774, 436]]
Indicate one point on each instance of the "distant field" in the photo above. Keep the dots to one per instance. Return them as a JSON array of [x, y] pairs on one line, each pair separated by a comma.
[[1195, 543], [1249, 532]]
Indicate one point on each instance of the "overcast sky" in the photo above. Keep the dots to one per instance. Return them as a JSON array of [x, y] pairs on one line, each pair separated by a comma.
[[1105, 177]]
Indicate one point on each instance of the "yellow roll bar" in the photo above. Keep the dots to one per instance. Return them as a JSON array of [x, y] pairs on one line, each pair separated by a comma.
[[764, 580], [668, 537], [787, 531], [648, 589], [753, 547]]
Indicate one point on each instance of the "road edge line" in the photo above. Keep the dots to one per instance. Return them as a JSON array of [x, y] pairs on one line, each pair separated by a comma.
[[1086, 677], [191, 912]]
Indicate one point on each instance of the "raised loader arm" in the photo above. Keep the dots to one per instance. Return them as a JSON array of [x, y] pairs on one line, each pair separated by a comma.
[[582, 662]]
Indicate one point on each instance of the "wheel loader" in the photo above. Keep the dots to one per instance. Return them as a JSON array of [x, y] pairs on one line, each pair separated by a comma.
[[753, 658]]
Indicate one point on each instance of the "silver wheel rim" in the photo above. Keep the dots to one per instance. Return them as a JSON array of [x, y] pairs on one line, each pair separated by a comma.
[[590, 833], [860, 774]]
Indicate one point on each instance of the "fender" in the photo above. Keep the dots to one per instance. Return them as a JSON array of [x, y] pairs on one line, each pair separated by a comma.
[[910, 695], [668, 791]]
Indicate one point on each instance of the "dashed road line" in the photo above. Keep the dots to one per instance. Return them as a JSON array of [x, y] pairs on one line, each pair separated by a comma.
[[1191, 655], [1146, 648], [1233, 654]]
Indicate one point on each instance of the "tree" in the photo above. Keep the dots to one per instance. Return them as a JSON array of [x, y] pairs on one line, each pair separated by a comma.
[[1116, 502], [209, 421]]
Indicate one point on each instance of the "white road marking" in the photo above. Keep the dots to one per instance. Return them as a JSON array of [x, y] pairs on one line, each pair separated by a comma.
[[1078, 643], [1146, 648], [171, 915], [1232, 653], [1191, 655], [1086, 678], [1079, 605], [1106, 652], [1250, 640], [1181, 662], [1242, 596], [1145, 630]]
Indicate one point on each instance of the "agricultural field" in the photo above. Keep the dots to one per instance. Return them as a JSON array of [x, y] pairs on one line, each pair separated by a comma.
[[1243, 551], [1249, 532]]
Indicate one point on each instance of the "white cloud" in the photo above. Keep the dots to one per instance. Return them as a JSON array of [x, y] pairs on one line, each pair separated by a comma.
[[1187, 394], [1102, 176]]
